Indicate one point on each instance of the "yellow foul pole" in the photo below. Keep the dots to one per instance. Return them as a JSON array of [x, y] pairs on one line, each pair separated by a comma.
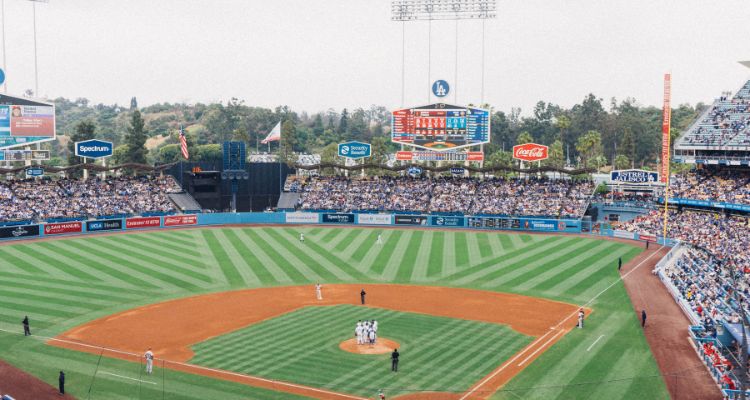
[[665, 144]]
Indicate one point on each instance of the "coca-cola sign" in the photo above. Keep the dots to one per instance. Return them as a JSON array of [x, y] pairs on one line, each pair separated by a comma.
[[531, 152]]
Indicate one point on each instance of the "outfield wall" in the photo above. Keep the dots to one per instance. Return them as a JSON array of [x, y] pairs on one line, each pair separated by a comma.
[[295, 218]]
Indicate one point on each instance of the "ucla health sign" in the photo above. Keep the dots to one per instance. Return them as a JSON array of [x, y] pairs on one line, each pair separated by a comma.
[[354, 150], [634, 176], [93, 148]]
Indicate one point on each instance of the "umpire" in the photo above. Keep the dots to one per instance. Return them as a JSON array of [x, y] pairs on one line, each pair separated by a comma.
[[394, 360], [26, 328]]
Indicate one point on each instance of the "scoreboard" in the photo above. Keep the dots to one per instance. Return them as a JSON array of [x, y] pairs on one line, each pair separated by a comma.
[[440, 126]]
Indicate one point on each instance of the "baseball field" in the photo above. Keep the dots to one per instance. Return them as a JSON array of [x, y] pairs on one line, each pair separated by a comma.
[[72, 288]]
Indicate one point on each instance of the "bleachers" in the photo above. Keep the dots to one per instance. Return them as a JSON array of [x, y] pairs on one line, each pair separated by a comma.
[[725, 123]]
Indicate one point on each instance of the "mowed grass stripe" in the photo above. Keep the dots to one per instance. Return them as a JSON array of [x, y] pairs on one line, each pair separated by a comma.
[[379, 264], [273, 258], [32, 307], [91, 287], [435, 262], [422, 260], [400, 268], [73, 250], [89, 294], [52, 265], [243, 246], [342, 240], [491, 267], [365, 263], [358, 242], [483, 242], [7, 256], [231, 275], [177, 239], [523, 269], [144, 264], [158, 248], [82, 270], [285, 257], [505, 242], [462, 249], [43, 297], [326, 264], [599, 269], [598, 280], [369, 241], [298, 259], [154, 258], [593, 250], [206, 350], [233, 248], [449, 254], [472, 241], [266, 268], [329, 261]]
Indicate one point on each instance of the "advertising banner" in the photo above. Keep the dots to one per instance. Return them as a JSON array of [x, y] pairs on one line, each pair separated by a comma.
[[530, 152], [411, 220], [104, 225], [439, 156], [19, 231], [93, 148], [302, 218], [374, 219], [633, 176], [63, 227], [623, 234], [354, 150], [145, 222], [647, 236], [24, 155], [448, 221], [24, 121], [338, 218], [543, 225], [176, 220]]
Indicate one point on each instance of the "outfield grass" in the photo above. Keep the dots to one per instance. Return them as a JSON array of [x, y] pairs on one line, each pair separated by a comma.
[[440, 353], [63, 283]]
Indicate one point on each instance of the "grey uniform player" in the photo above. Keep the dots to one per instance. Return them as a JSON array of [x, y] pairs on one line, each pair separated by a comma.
[[149, 356]]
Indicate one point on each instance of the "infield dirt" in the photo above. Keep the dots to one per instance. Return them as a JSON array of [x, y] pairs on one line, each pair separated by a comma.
[[171, 327]]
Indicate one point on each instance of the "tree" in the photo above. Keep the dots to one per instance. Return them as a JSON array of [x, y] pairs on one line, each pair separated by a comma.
[[330, 154], [556, 156], [208, 152], [524, 137], [120, 154], [84, 130], [169, 153], [344, 122], [318, 128], [500, 159], [627, 146], [136, 139], [133, 104], [287, 143], [589, 146], [622, 162], [562, 124]]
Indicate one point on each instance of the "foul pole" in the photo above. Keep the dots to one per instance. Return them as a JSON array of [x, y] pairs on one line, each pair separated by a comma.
[[665, 144]]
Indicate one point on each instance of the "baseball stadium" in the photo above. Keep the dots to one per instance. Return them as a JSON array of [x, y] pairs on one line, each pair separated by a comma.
[[442, 248]]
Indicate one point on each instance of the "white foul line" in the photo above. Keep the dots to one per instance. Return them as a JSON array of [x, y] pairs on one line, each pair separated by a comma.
[[125, 377], [527, 348], [595, 341], [540, 348]]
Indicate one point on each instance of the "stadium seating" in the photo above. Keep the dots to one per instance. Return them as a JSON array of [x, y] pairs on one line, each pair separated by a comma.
[[725, 123], [534, 197], [74, 198], [728, 186]]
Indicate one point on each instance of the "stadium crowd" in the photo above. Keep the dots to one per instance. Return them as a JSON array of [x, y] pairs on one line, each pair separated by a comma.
[[729, 186], [72, 198], [533, 197]]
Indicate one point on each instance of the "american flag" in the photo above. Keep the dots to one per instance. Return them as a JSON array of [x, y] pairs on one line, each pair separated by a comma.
[[183, 143]]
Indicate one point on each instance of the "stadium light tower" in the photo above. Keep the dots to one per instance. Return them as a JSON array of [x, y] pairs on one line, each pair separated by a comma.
[[36, 65], [416, 10]]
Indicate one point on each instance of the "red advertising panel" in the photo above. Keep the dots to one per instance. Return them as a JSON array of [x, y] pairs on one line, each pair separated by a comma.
[[666, 123], [63, 227], [530, 152], [146, 222], [176, 220], [32, 121]]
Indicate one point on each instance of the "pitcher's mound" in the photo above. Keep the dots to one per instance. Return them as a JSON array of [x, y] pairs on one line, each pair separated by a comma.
[[382, 346]]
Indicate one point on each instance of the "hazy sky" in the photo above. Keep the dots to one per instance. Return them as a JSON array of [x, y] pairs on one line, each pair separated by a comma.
[[316, 54]]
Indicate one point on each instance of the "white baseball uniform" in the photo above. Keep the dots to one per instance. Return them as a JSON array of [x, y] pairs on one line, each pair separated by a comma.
[[149, 362]]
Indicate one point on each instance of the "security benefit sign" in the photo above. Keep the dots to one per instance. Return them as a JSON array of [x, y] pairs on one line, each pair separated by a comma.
[[448, 221], [634, 176], [355, 150]]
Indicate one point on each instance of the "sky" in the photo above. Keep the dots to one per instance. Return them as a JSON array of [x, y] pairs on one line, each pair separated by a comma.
[[316, 54]]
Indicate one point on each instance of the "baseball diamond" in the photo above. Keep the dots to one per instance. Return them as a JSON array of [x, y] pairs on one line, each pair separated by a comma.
[[110, 278]]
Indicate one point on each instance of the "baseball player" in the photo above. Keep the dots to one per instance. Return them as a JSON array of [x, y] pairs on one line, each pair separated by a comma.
[[302, 237], [380, 239], [381, 395], [318, 291], [580, 317], [358, 332], [149, 361]]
